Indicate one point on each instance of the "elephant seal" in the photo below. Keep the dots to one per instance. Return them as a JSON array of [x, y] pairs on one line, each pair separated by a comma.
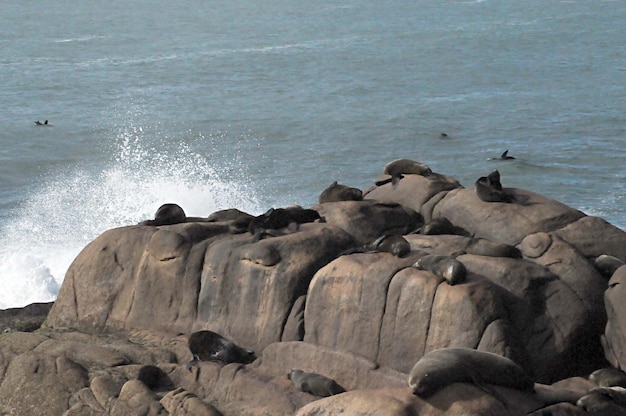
[[439, 368], [398, 167], [606, 401], [447, 267], [211, 346], [484, 247], [503, 156], [607, 265], [315, 384], [151, 376], [608, 377], [337, 192], [167, 214], [489, 191]]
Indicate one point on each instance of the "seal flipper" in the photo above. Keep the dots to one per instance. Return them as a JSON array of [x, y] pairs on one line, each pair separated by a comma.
[[395, 179]]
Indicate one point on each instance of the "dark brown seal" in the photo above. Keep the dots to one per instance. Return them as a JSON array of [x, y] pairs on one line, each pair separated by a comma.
[[608, 377], [447, 267], [445, 366], [315, 384], [211, 346], [489, 189], [167, 214], [337, 192]]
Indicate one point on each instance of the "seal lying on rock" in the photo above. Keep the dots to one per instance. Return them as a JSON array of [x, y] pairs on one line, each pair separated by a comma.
[[604, 401], [278, 218], [608, 377], [439, 368], [440, 226], [398, 167], [337, 192], [607, 265], [167, 214], [452, 270], [315, 384], [484, 247], [211, 346], [489, 189], [151, 376], [394, 244]]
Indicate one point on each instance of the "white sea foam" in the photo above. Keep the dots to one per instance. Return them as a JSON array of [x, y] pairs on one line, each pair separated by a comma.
[[75, 206]]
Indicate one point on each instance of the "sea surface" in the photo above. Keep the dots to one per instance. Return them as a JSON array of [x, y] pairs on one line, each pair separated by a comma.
[[259, 104]]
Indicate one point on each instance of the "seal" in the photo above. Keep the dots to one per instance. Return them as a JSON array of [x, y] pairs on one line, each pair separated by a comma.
[[440, 226], [447, 267], [44, 124], [488, 191], [439, 368], [337, 192], [315, 384], [275, 219], [151, 376], [211, 346], [607, 265], [394, 244], [398, 167], [604, 401], [503, 156], [608, 377], [231, 214], [167, 214]]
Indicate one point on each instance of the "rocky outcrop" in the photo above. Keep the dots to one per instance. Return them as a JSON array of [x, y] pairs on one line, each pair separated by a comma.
[[298, 298]]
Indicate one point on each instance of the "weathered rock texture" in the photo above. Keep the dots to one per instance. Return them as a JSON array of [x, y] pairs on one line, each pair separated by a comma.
[[133, 296]]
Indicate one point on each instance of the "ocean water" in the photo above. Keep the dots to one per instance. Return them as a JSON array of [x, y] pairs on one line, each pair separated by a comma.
[[251, 105]]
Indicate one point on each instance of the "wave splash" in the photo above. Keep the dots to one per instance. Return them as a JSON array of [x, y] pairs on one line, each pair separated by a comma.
[[74, 206]]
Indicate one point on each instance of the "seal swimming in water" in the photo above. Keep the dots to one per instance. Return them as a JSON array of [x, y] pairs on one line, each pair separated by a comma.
[[489, 189], [211, 346], [398, 167], [315, 384], [44, 124], [167, 214], [447, 267], [337, 192], [441, 367], [503, 156]]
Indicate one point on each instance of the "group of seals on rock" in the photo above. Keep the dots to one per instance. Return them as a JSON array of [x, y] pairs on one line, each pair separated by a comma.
[[489, 188], [315, 384], [211, 346], [441, 367], [337, 192], [447, 267]]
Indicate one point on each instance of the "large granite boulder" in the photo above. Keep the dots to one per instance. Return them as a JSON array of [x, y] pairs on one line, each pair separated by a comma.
[[134, 295]]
